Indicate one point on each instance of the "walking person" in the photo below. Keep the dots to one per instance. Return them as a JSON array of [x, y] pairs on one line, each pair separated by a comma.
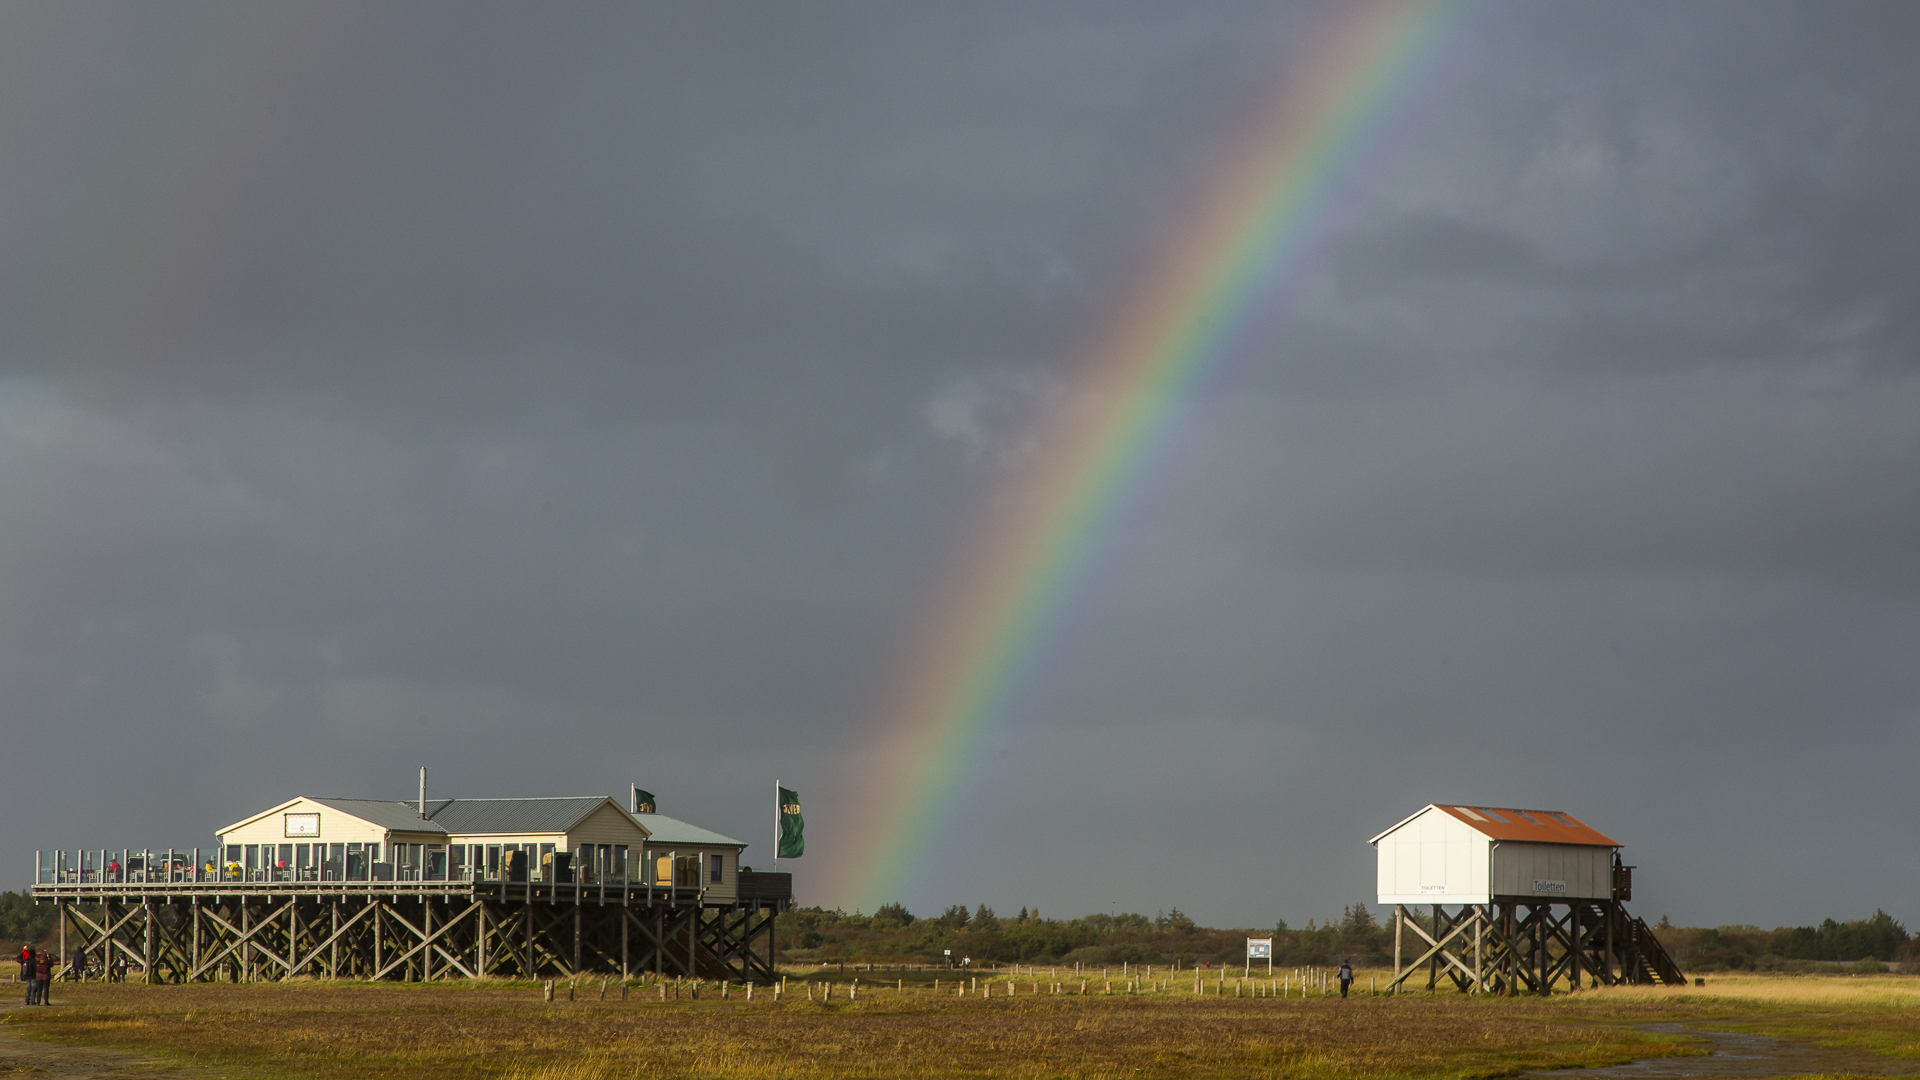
[[1346, 976], [43, 976]]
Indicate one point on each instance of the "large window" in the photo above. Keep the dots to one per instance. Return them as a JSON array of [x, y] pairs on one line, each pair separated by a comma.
[[715, 866]]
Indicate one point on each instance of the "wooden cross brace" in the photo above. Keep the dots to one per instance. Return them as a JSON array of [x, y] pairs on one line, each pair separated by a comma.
[[429, 941], [1438, 950]]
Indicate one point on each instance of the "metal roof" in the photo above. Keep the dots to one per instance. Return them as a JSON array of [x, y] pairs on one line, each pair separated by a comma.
[[666, 830], [1508, 823], [471, 816], [382, 813], [468, 816]]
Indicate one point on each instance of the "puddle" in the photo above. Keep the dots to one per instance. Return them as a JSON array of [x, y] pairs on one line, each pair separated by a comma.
[[1735, 1054]]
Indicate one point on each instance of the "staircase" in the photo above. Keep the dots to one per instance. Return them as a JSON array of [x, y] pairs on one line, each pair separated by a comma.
[[1642, 958]]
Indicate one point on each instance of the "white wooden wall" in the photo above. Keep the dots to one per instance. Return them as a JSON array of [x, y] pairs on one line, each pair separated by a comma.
[[1435, 858]]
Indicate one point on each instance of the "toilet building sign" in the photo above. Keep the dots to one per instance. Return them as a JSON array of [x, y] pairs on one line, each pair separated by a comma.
[[1546, 886]]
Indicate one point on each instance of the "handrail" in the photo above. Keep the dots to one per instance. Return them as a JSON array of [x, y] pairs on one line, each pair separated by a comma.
[[1657, 959]]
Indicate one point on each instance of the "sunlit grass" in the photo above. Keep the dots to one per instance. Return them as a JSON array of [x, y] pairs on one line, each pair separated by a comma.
[[506, 1030]]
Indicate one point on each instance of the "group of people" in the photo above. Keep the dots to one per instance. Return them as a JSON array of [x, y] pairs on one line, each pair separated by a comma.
[[36, 970]]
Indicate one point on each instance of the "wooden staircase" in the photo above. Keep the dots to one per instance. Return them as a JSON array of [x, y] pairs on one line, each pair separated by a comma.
[[1642, 958]]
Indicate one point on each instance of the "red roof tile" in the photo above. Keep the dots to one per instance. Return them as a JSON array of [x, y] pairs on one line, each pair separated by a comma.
[[1539, 826]]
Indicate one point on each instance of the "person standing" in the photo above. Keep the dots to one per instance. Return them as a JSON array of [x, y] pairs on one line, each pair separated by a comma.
[[1346, 976], [26, 973], [78, 973], [43, 975]]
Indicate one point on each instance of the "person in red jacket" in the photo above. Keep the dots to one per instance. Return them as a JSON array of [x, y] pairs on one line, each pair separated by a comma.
[[27, 974]]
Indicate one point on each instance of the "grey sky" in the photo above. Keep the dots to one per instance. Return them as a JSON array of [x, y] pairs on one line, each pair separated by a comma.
[[569, 398]]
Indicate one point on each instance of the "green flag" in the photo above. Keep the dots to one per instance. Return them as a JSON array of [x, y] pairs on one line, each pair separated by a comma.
[[642, 801], [792, 843]]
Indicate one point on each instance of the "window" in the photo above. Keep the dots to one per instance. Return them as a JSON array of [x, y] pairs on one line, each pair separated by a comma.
[[1468, 810], [1495, 816], [620, 862], [714, 865], [1562, 819], [1530, 818]]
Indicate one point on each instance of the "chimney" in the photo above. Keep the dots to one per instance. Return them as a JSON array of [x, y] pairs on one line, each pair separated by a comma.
[[423, 793]]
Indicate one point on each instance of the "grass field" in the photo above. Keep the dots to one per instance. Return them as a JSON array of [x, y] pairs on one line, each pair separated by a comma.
[[315, 1029]]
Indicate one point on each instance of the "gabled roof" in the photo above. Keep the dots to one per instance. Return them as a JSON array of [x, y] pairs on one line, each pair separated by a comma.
[[514, 815], [462, 816], [383, 813], [666, 830], [380, 813], [1506, 823]]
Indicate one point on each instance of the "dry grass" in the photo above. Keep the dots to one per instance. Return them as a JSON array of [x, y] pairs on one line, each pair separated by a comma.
[[1876, 1013], [358, 1030]]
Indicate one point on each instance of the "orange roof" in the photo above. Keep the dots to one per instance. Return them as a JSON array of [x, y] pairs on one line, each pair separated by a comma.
[[1540, 826]]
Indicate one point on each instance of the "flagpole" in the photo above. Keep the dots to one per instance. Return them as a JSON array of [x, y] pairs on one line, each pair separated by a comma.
[[776, 823]]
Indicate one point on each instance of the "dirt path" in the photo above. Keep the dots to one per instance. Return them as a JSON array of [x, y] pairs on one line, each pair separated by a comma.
[[1741, 1055], [44, 1061]]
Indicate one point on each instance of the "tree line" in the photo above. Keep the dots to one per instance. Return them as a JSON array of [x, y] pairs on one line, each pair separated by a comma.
[[1868, 944], [892, 934]]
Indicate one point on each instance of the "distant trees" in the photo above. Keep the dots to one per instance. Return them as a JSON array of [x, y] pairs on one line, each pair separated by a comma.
[[1878, 938], [1173, 922], [892, 933], [22, 921]]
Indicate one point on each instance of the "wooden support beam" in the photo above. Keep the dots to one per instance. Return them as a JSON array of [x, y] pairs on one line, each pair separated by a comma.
[[1438, 952]]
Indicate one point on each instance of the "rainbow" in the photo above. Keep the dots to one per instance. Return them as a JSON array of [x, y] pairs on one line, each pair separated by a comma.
[[1202, 311]]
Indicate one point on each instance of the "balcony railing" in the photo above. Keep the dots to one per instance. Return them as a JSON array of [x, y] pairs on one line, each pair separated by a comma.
[[313, 863]]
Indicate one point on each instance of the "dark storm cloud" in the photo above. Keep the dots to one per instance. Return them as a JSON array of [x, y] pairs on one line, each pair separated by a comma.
[[569, 398]]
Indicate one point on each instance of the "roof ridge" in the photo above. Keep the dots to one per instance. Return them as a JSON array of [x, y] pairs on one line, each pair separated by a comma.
[[520, 798]]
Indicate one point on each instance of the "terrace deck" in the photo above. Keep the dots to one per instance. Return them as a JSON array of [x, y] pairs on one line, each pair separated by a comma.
[[189, 925]]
